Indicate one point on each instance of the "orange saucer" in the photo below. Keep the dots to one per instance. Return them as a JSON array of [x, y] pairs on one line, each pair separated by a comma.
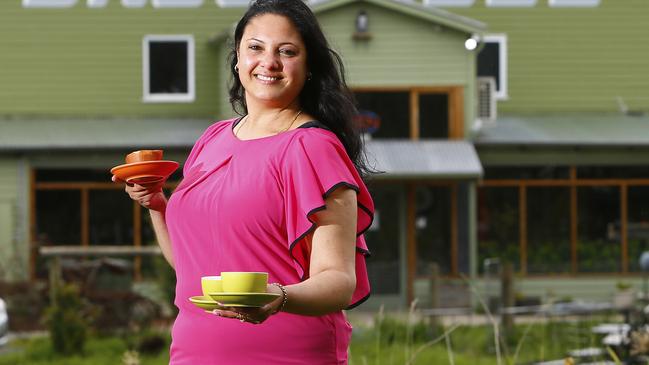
[[145, 172]]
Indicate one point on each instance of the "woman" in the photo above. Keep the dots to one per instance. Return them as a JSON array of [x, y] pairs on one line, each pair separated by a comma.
[[276, 191]]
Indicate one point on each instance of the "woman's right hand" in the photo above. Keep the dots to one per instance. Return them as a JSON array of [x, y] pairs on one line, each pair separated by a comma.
[[148, 196]]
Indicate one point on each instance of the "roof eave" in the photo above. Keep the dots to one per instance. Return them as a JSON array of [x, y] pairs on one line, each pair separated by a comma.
[[416, 10]]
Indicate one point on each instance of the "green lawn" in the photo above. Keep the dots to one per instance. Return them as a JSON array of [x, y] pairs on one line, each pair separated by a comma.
[[397, 345]]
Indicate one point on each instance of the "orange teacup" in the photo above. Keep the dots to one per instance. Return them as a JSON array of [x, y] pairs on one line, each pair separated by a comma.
[[144, 155]]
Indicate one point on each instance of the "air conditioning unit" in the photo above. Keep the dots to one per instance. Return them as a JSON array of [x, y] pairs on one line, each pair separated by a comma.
[[487, 99]]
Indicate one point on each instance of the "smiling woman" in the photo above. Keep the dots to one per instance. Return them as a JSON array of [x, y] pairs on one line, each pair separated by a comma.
[[278, 191]]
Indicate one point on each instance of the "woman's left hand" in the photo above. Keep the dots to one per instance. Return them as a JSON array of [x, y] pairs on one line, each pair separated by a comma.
[[252, 315]]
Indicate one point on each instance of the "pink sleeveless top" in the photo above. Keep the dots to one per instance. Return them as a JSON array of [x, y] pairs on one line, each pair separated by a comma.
[[246, 206]]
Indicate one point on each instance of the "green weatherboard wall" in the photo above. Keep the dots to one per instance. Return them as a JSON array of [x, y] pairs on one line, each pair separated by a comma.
[[572, 59], [88, 62], [82, 61]]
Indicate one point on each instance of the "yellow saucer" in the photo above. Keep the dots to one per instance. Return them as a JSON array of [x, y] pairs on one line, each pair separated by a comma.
[[244, 299], [204, 302]]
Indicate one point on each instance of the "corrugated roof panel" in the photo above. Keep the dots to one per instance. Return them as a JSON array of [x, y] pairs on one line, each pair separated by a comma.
[[424, 159], [567, 130], [22, 135]]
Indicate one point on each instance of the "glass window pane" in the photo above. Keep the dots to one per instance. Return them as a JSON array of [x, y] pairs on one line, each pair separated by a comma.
[[433, 116], [548, 230], [433, 229], [168, 67], [489, 61], [58, 217], [383, 240], [498, 228], [390, 109], [73, 175], [110, 217], [598, 248], [638, 224]]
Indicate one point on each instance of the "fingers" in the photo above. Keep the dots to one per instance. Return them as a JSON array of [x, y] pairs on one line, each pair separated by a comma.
[[250, 315]]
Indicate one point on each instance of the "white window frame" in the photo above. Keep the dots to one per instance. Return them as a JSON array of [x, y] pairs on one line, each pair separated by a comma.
[[176, 3], [232, 3], [188, 97], [48, 3], [501, 39], [511, 3], [574, 3], [449, 3]]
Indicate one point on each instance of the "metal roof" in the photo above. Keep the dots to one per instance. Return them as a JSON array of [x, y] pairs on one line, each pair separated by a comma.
[[65, 134], [606, 130], [398, 158], [438, 159], [412, 8]]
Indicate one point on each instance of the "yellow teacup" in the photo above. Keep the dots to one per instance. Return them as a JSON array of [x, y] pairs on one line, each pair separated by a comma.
[[244, 282], [211, 284]]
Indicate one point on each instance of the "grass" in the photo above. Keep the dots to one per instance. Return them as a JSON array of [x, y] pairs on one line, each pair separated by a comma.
[[98, 351], [392, 342], [475, 345]]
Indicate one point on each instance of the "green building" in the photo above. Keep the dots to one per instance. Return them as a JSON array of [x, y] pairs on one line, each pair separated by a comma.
[[508, 130]]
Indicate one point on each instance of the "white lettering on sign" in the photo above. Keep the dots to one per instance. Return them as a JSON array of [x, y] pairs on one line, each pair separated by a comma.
[[511, 3], [244, 3], [133, 3], [97, 3], [232, 3], [449, 3], [574, 3], [90, 3], [48, 3], [176, 3]]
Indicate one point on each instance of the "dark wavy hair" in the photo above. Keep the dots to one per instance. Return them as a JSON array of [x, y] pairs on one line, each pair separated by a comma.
[[325, 95]]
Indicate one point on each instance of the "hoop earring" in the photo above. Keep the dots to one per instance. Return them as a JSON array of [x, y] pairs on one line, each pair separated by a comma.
[[236, 69], [309, 75]]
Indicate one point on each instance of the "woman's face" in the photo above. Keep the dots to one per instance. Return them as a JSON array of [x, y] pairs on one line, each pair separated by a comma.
[[272, 61]]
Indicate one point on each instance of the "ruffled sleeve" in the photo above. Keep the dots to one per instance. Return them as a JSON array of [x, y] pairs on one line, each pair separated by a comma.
[[316, 164]]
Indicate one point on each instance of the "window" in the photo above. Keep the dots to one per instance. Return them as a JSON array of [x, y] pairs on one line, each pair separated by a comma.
[[433, 229], [498, 226], [383, 237], [450, 3], [168, 68], [574, 3], [511, 3], [79, 207], [548, 230], [492, 62], [410, 113], [637, 225], [598, 248], [433, 116], [385, 114]]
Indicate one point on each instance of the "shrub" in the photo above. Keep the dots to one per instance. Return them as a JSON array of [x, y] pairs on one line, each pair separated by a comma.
[[66, 321], [151, 343], [393, 330], [167, 281]]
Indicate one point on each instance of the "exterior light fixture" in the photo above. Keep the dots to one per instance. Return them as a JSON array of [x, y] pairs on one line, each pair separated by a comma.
[[471, 43], [362, 25]]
